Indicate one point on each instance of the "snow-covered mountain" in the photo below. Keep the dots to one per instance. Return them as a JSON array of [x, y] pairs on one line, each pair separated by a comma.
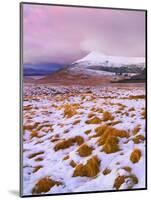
[[96, 58]]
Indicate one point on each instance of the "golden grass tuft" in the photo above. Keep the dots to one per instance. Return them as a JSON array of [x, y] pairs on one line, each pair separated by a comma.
[[107, 116], [34, 134], [91, 115], [84, 150], [66, 143], [39, 159], [76, 122], [90, 169], [143, 113], [63, 144], [136, 129], [138, 139], [137, 97], [111, 145], [29, 107], [87, 132], [94, 120], [127, 168], [118, 182], [31, 127], [132, 180], [35, 154], [108, 137], [37, 168], [44, 185], [131, 109], [78, 139], [100, 130], [135, 155], [106, 171], [66, 157], [72, 163], [70, 110]]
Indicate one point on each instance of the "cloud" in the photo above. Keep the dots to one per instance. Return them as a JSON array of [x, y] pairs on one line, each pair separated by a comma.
[[64, 34]]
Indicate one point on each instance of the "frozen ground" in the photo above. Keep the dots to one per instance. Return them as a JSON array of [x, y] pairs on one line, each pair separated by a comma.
[[83, 139]]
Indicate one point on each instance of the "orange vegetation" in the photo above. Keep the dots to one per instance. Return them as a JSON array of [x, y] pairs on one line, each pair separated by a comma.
[[108, 137], [106, 171], [66, 157], [90, 169], [37, 168], [84, 150], [35, 154], [87, 132], [94, 120], [70, 110], [121, 179], [44, 185], [138, 139], [66, 143], [107, 116], [137, 97], [76, 122], [135, 155], [72, 163]]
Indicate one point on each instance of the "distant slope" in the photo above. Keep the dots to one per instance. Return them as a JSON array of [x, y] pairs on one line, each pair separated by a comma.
[[40, 69]]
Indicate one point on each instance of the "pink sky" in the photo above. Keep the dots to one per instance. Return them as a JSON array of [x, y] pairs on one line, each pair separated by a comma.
[[65, 34]]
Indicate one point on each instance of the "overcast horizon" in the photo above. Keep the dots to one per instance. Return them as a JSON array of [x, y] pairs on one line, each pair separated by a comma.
[[55, 34]]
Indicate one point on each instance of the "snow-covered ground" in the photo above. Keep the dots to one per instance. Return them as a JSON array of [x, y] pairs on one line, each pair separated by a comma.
[[83, 139]]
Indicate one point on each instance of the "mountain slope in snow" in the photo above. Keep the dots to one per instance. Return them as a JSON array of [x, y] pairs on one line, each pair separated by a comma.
[[97, 58]]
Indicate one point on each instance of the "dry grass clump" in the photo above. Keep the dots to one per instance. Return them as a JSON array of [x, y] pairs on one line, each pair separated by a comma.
[[44, 185], [87, 132], [66, 131], [37, 168], [132, 180], [137, 97], [78, 139], [70, 110], [118, 182], [94, 120], [76, 122], [106, 171], [34, 134], [127, 168], [90, 169], [138, 139], [107, 116], [49, 126], [108, 137], [72, 163], [35, 154], [136, 129], [66, 157], [91, 115], [31, 127], [84, 150], [135, 155], [39, 159], [29, 107], [143, 113], [63, 144], [131, 109], [66, 143], [111, 145], [100, 130]]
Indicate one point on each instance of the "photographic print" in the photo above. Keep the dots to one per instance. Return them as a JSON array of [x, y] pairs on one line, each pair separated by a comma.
[[83, 116]]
